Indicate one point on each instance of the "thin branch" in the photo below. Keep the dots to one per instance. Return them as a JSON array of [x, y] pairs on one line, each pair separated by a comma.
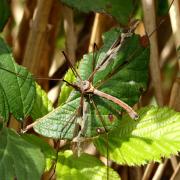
[[160, 170], [150, 25], [37, 36], [148, 171], [69, 28], [175, 96], [21, 39], [176, 174], [175, 24], [101, 24]]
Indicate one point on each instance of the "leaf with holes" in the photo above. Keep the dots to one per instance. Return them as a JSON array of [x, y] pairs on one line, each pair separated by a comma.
[[154, 135], [17, 89], [124, 77]]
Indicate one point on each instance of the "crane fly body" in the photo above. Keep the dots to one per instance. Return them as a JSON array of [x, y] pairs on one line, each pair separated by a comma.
[[85, 87], [98, 90]]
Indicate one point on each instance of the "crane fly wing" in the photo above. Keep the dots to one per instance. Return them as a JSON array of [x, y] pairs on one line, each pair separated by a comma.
[[122, 78]]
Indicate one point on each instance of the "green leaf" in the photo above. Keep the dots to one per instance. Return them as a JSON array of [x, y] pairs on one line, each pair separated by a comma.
[[124, 77], [19, 158], [42, 105], [17, 87], [85, 167], [4, 13], [119, 9], [47, 150], [65, 89], [154, 135]]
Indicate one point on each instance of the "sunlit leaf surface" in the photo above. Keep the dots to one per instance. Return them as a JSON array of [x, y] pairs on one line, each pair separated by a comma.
[[154, 135], [85, 167]]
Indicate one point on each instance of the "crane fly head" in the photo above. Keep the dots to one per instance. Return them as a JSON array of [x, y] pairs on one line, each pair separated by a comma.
[[84, 86]]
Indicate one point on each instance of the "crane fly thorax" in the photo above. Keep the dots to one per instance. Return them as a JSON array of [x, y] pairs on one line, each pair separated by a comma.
[[85, 87]]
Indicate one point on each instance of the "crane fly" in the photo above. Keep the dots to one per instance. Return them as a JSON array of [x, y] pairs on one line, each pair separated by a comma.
[[94, 105]]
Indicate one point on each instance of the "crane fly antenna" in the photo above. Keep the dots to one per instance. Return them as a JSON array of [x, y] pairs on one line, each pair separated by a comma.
[[162, 21], [95, 47], [71, 66], [36, 78]]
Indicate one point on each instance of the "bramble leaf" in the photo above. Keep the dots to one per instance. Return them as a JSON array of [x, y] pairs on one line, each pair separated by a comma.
[[121, 10], [85, 167], [19, 158], [65, 89], [17, 87], [154, 135], [42, 105]]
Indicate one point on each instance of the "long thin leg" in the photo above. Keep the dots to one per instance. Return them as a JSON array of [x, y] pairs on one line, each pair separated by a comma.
[[63, 133], [114, 49], [71, 66], [125, 106], [83, 117], [90, 79], [106, 132]]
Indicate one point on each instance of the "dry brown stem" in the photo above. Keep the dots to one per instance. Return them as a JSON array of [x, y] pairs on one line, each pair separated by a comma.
[[176, 174], [148, 171], [69, 28], [20, 41], [101, 24], [175, 96], [37, 36], [160, 170], [175, 24], [150, 26]]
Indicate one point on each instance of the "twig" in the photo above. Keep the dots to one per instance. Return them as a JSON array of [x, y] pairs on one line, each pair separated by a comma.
[[175, 23], [159, 171], [102, 23], [174, 162], [20, 42], [95, 35], [37, 36], [69, 28], [166, 51], [150, 24], [148, 171], [176, 174], [175, 96]]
